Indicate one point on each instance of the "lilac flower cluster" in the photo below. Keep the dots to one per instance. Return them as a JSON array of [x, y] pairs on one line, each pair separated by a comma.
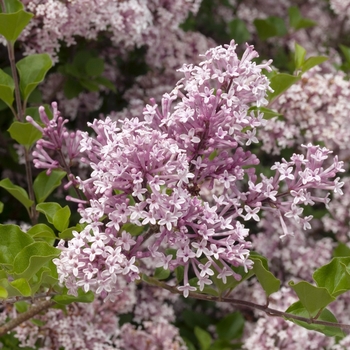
[[56, 22], [301, 176], [58, 148], [126, 24], [315, 109], [157, 173]]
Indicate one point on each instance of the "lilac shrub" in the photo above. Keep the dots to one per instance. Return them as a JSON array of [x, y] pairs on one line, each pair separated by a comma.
[[152, 171]]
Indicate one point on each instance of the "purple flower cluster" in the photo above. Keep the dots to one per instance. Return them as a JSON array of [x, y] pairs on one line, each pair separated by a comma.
[[297, 183], [314, 109], [185, 175], [58, 148]]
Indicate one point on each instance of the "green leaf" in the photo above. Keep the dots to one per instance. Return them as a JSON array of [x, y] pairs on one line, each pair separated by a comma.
[[238, 31], [107, 83], [18, 192], [42, 232], [82, 297], [1, 207], [22, 285], [280, 83], [193, 318], [24, 133], [312, 298], [32, 70], [67, 234], [3, 105], [294, 16], [223, 344], [49, 210], [94, 66], [72, 88], [34, 113], [299, 56], [346, 52], [133, 229], [80, 60], [45, 277], [32, 257], [7, 87], [267, 280], [204, 338], [305, 23], [334, 276], [279, 24], [268, 113], [189, 345], [161, 274], [61, 218], [297, 21], [12, 24], [73, 70], [231, 326], [342, 250], [270, 27], [21, 306], [35, 98], [298, 310], [210, 291], [89, 84], [265, 29], [312, 62], [231, 282], [12, 241], [45, 184], [3, 293], [179, 273]]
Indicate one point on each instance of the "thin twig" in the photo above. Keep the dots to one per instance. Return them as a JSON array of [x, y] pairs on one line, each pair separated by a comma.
[[19, 116], [31, 298], [25, 316], [249, 304]]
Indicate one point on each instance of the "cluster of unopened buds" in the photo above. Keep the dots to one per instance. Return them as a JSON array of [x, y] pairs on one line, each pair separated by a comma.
[[184, 173]]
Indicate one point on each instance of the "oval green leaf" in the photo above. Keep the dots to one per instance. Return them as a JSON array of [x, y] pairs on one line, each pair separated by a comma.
[[280, 83], [7, 87], [312, 298], [231, 326], [32, 70], [12, 24], [42, 232], [49, 210], [334, 276], [61, 218], [94, 66], [24, 133], [22, 286], [299, 310], [268, 281], [12, 241], [82, 297], [18, 192], [32, 257], [3, 293], [203, 337], [45, 184]]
